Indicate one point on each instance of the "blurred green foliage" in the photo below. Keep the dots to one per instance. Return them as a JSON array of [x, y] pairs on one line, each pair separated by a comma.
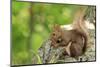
[[45, 15]]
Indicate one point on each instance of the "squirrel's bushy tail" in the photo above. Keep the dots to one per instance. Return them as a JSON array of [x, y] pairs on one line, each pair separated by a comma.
[[80, 25]]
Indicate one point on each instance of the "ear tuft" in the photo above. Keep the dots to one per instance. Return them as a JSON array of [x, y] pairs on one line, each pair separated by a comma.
[[56, 27]]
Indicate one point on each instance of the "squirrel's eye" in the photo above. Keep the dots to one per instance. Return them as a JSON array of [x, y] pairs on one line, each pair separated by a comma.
[[53, 34]]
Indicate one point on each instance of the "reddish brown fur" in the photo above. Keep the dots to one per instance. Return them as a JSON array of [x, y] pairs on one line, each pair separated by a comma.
[[77, 47]]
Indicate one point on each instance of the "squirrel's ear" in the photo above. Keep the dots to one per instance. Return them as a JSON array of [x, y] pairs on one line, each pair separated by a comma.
[[56, 27]]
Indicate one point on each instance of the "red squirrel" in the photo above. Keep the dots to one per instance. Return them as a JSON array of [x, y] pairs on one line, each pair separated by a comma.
[[73, 41]]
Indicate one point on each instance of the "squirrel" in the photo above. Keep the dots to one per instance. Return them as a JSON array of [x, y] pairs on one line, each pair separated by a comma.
[[73, 41]]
